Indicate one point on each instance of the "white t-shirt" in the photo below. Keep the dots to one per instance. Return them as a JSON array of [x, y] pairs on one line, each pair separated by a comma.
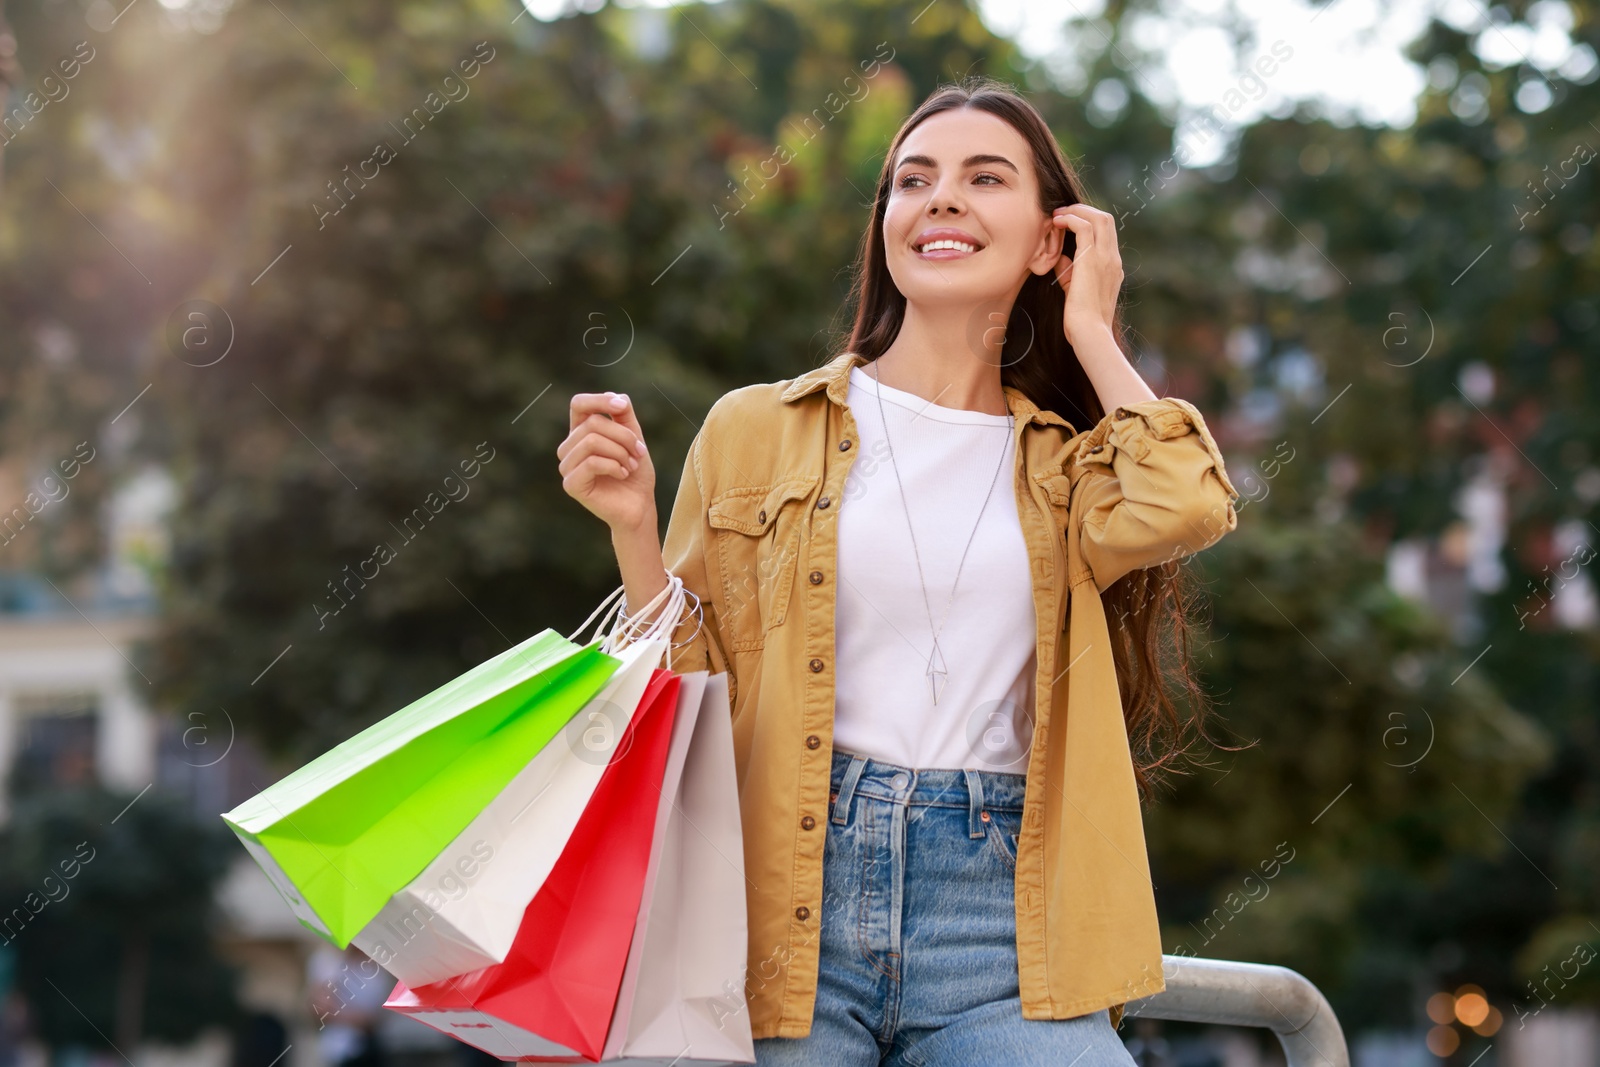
[[883, 703]]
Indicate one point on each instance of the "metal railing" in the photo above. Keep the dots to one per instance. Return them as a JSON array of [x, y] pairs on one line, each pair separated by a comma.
[[1249, 994]]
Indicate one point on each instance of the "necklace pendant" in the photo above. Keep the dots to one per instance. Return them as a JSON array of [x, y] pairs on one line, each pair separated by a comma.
[[937, 676]]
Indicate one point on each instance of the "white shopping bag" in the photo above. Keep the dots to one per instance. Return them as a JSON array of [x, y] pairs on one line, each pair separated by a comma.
[[462, 912]]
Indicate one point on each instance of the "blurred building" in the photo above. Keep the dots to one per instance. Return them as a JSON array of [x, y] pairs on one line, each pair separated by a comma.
[[74, 709]]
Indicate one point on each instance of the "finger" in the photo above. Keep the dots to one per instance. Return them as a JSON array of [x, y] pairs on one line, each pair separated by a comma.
[[600, 424], [585, 404], [1082, 229], [1085, 211], [593, 445], [599, 444], [597, 467], [625, 415], [1060, 220], [592, 467], [1105, 232]]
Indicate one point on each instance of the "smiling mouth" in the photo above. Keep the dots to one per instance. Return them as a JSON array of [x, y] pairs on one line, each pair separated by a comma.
[[946, 245]]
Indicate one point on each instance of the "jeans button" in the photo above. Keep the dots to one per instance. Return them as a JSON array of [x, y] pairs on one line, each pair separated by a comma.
[[899, 781]]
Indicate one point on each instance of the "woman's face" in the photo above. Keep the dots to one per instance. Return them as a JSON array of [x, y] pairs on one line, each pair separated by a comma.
[[969, 173]]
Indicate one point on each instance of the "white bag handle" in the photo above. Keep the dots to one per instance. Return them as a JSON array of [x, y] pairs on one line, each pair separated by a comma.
[[626, 629]]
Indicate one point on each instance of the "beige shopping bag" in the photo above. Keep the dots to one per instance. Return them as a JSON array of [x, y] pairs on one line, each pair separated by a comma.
[[682, 1000]]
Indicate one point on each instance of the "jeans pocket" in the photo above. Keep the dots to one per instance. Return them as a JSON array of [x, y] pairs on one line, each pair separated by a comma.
[[1004, 826]]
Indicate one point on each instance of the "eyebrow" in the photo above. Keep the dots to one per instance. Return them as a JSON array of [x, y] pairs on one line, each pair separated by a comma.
[[970, 161]]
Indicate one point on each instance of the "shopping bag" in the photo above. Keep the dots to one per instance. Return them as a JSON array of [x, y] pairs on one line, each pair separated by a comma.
[[462, 912], [682, 1000], [341, 835], [555, 991]]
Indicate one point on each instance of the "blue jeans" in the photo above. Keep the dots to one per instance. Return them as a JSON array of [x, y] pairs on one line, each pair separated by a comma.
[[918, 955]]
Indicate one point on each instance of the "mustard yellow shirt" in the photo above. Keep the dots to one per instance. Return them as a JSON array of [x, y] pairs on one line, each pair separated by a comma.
[[753, 535]]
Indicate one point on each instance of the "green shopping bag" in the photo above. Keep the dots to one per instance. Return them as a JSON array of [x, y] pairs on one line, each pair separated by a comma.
[[341, 835]]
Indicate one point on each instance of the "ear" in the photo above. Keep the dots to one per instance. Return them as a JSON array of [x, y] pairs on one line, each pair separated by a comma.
[[1052, 239]]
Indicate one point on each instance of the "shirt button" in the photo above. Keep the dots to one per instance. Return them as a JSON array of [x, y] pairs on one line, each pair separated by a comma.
[[822, 503], [807, 823], [762, 517], [814, 742], [802, 912], [1096, 448], [816, 577], [816, 665], [844, 446], [1122, 413]]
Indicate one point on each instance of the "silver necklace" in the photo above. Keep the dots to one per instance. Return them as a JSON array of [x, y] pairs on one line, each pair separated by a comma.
[[937, 674]]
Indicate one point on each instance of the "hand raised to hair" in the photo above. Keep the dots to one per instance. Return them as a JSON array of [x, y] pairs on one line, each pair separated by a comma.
[[1092, 276]]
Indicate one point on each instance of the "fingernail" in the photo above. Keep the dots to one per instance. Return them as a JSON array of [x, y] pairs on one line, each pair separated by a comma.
[[638, 446], [618, 401]]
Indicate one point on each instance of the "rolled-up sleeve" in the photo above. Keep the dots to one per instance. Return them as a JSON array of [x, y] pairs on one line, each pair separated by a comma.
[[1149, 487]]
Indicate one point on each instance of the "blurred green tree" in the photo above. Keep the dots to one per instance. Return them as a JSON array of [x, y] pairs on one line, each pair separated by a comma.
[[110, 909]]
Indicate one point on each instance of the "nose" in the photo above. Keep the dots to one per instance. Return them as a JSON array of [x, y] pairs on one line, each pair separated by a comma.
[[944, 199]]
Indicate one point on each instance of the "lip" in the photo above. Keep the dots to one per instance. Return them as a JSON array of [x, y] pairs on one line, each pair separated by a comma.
[[945, 233]]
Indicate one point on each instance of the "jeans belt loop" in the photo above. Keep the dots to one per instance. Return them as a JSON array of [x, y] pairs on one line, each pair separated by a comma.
[[974, 802], [847, 789]]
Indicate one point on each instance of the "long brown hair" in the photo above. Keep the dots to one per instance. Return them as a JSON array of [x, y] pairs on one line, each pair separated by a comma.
[[1049, 374]]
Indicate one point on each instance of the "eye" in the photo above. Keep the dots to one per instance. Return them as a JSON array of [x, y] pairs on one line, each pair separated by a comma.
[[902, 183]]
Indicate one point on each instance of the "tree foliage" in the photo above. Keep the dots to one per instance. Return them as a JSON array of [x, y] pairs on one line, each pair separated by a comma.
[[598, 207]]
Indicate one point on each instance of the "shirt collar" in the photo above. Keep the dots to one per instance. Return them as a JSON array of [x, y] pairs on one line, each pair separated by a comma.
[[834, 376]]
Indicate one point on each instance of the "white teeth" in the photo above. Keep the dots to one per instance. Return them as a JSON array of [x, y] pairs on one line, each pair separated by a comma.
[[959, 246]]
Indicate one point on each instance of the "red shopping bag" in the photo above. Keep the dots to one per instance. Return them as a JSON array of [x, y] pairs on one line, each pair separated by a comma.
[[555, 993]]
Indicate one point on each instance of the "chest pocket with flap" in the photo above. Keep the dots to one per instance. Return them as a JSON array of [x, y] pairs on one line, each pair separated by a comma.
[[758, 548]]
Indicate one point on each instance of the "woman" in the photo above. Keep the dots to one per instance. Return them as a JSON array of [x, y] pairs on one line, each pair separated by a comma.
[[911, 899]]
